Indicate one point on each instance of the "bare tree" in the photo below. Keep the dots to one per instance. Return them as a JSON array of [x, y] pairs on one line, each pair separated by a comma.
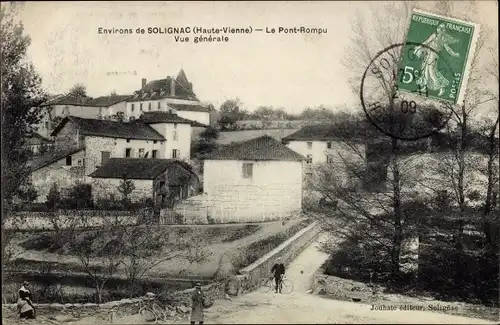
[[144, 249]]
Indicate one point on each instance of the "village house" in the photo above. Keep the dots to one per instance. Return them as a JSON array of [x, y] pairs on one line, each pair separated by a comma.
[[83, 145], [255, 180], [322, 144], [163, 180], [168, 95], [105, 107], [64, 167]]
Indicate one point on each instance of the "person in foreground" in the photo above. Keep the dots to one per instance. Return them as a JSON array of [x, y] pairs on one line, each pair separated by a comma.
[[197, 305], [278, 270], [24, 304]]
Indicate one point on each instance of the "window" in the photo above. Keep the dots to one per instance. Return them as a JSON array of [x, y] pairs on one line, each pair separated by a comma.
[[329, 145], [141, 153], [132, 107], [309, 159], [175, 153], [128, 152], [309, 145], [105, 155], [175, 135], [128, 140], [80, 162], [47, 125], [175, 125], [149, 106], [140, 107], [247, 170], [155, 141], [329, 159], [159, 105], [68, 160], [154, 154]]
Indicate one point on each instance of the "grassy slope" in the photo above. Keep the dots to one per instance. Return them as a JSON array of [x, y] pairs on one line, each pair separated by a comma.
[[218, 240]]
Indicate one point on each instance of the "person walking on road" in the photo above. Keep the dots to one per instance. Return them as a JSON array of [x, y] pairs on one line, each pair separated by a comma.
[[197, 305], [278, 270]]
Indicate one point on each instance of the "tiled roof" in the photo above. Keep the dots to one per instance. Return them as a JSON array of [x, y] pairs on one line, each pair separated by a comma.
[[105, 101], [51, 157], [325, 132], [191, 108], [68, 100], [160, 88], [144, 168], [261, 148], [35, 138], [164, 117], [112, 129]]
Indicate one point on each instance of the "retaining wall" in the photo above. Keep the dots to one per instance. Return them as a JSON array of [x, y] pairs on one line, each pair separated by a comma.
[[177, 302], [65, 219], [249, 278]]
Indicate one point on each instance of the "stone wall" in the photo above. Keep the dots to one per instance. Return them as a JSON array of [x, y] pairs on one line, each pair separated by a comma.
[[79, 219], [250, 277], [177, 303]]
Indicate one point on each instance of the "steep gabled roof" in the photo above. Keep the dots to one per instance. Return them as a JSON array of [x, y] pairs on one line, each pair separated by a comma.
[[144, 168], [164, 117], [261, 148], [105, 101], [160, 88], [111, 129], [51, 157]]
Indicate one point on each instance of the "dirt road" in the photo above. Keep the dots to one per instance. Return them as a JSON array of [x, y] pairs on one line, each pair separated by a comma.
[[301, 307]]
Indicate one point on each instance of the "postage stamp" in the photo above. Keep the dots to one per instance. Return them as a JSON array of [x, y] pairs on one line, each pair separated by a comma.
[[401, 115], [432, 43]]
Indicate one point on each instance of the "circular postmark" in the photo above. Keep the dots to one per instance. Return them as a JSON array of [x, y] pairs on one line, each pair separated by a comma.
[[398, 91]]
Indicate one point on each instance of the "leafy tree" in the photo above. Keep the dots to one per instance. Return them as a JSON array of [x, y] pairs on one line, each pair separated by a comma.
[[20, 99], [126, 188], [54, 197], [231, 106], [78, 91]]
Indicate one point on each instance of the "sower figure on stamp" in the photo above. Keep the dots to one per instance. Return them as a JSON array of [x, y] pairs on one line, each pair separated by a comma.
[[430, 77], [24, 304], [279, 271], [197, 305]]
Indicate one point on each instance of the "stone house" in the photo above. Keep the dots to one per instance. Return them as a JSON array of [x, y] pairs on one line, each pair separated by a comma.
[[164, 180], [168, 95], [105, 107], [256, 180], [64, 167]]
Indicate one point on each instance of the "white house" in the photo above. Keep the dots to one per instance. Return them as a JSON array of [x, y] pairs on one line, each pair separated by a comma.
[[105, 107], [321, 144], [163, 180], [255, 180], [168, 95]]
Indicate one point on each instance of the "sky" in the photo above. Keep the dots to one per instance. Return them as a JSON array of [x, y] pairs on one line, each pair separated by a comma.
[[292, 71]]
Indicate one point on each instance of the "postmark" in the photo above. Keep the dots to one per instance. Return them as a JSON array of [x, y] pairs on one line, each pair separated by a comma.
[[404, 115], [443, 41]]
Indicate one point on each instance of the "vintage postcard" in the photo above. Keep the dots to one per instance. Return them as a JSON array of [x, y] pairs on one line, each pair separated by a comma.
[[250, 162]]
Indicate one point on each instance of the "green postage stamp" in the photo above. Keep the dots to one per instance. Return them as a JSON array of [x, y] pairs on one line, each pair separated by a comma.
[[437, 56]]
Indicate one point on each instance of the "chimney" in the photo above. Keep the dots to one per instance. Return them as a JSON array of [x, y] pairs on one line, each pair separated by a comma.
[[172, 86], [144, 81]]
